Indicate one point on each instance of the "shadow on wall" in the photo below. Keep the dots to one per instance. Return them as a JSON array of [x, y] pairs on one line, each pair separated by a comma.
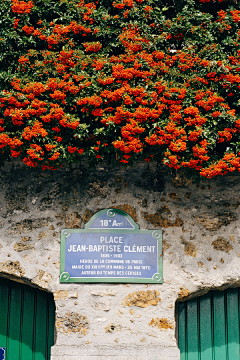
[[208, 326], [27, 321]]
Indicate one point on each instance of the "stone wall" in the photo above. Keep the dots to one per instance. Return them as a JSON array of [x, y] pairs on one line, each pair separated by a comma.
[[200, 222]]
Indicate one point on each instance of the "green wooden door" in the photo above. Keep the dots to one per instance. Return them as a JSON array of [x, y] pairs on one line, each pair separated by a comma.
[[208, 326], [27, 318]]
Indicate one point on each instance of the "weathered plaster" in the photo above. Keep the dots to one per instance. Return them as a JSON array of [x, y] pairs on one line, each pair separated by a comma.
[[200, 222]]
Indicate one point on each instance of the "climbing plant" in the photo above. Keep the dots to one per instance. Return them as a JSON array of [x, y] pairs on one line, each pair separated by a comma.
[[121, 81]]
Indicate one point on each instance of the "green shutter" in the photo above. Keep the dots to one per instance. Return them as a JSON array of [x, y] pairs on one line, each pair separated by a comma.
[[208, 326], [26, 321]]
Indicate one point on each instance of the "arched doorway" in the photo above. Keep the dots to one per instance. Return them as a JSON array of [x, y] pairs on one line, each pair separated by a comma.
[[26, 321], [208, 326]]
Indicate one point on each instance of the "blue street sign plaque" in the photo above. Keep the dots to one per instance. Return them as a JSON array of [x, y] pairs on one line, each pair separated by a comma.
[[2, 353], [111, 248]]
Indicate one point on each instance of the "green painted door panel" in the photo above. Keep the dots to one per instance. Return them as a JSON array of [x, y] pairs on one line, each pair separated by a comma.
[[192, 330], [14, 324], [27, 321], [4, 299], [208, 326], [182, 329], [205, 327], [28, 325], [41, 327], [232, 324], [219, 326]]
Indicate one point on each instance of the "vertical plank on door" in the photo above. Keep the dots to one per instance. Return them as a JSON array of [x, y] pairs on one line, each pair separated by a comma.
[[41, 326], [192, 330], [27, 323], [219, 326], [4, 305], [182, 330], [51, 324], [14, 331], [232, 324], [206, 331]]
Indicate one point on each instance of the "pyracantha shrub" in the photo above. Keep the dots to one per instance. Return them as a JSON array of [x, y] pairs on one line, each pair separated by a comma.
[[121, 81]]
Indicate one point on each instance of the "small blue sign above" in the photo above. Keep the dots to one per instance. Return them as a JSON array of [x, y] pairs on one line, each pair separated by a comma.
[[2, 353], [112, 220], [111, 248]]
